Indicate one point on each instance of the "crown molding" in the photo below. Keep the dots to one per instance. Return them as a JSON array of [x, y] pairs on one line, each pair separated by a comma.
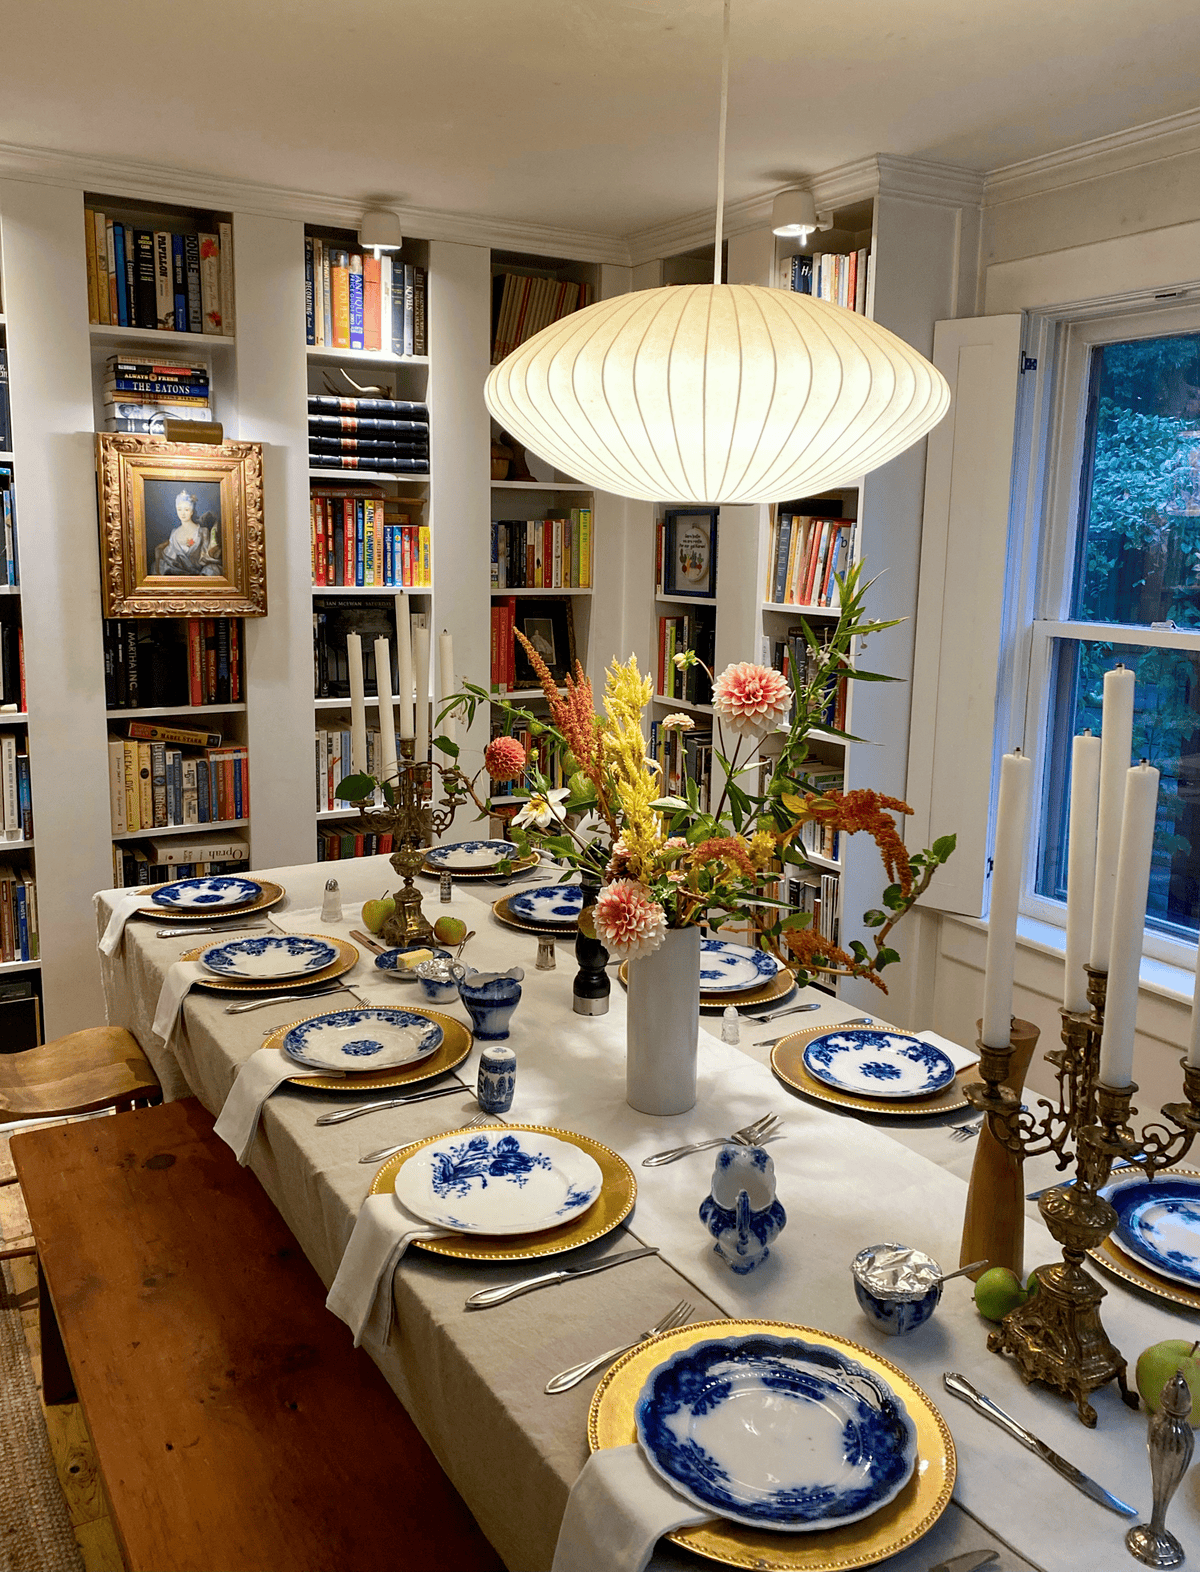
[[1157, 140], [148, 182]]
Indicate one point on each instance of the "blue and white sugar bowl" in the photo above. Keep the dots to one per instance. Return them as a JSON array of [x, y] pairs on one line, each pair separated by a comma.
[[439, 979], [491, 998], [497, 1078], [897, 1287], [742, 1213]]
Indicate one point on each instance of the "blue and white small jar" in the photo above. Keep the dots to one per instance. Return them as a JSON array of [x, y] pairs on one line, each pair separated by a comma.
[[897, 1287], [497, 1078]]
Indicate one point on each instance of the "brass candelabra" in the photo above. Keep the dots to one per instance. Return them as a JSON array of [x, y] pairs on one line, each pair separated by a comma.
[[1057, 1336]]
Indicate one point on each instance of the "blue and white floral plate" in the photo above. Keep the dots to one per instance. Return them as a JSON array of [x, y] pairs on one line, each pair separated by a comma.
[[890, 1065], [471, 856], [776, 1432], [499, 1182], [363, 1040], [732, 968], [273, 955], [547, 905], [213, 894], [1158, 1222]]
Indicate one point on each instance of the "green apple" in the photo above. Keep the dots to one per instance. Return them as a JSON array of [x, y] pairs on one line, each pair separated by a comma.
[[997, 1292], [376, 913], [1158, 1363], [449, 930]]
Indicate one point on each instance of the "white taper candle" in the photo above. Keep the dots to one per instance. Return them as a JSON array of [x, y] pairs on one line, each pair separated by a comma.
[[1193, 1053], [421, 673], [387, 715], [1081, 866], [1128, 925], [1012, 814], [358, 709], [1116, 746], [404, 667]]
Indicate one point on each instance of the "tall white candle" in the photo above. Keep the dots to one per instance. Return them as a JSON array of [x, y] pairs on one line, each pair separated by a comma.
[[404, 667], [1081, 866], [1193, 1053], [1012, 814], [358, 709], [387, 718], [1129, 923], [421, 673], [447, 684], [1116, 746]]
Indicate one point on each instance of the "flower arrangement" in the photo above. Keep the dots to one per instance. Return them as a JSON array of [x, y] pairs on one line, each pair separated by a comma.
[[663, 861]]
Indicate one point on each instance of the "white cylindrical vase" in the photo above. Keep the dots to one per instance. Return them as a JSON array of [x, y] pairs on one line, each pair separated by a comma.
[[663, 1025]]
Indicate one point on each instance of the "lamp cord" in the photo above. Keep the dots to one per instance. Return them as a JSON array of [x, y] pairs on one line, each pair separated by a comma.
[[721, 144]]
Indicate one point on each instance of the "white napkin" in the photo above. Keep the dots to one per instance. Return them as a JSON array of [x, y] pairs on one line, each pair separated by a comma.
[[361, 1294], [959, 1056], [123, 907], [618, 1510], [179, 979], [255, 1081]]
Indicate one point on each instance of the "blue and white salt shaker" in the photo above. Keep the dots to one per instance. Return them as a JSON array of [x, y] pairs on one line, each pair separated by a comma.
[[497, 1078]]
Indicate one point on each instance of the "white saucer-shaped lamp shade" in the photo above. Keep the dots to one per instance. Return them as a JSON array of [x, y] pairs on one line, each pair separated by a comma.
[[716, 393]]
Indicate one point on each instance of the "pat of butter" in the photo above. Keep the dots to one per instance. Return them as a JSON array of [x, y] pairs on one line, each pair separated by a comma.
[[412, 958]]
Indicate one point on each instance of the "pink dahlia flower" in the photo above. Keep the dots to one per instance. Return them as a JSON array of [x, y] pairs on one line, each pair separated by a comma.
[[751, 699], [629, 921], [504, 759]]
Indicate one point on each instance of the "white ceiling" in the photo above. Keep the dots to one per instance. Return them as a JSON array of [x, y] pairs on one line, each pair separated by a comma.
[[598, 115]]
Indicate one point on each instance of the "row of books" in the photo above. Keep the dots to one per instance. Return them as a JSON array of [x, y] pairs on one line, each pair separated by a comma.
[[154, 278], [158, 860], [141, 392], [804, 556], [695, 630], [389, 435], [830, 275], [683, 756], [16, 799], [333, 764], [796, 659], [543, 553], [821, 896], [152, 664], [523, 306], [355, 300], [18, 914], [333, 621], [364, 540], [154, 785], [12, 666], [338, 845], [821, 840], [9, 573]]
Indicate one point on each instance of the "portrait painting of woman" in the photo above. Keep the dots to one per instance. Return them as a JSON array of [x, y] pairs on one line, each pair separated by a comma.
[[193, 547]]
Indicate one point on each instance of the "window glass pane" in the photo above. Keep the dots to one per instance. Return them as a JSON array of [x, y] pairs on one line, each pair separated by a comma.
[[1139, 539], [1166, 731]]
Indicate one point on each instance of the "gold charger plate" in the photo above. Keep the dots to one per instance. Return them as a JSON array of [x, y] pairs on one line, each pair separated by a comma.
[[787, 1061], [452, 1050], [347, 960], [780, 986], [901, 1522], [272, 894], [521, 865], [540, 930], [610, 1208], [1114, 1259]]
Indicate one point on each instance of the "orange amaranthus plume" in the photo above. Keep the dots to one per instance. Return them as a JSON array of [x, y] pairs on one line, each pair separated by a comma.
[[811, 948], [727, 849], [866, 810]]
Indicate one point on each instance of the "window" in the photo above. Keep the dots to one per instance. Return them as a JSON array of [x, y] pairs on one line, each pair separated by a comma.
[[1121, 584]]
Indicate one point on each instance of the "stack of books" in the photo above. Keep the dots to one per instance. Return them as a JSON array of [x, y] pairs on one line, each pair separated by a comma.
[[333, 765], [364, 539], [153, 278], [181, 664], [18, 915], [387, 436], [9, 573], [154, 783], [543, 553], [16, 799], [696, 631], [523, 306], [804, 556], [832, 276], [141, 392], [355, 300], [160, 860]]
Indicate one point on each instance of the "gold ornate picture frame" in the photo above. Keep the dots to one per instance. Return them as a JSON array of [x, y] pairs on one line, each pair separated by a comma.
[[181, 528]]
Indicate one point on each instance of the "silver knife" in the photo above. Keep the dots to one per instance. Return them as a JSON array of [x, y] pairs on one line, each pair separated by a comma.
[[186, 933], [343, 1114], [283, 998], [961, 1387], [486, 1297]]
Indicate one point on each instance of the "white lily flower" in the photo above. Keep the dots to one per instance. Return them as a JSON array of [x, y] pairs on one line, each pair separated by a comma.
[[543, 811]]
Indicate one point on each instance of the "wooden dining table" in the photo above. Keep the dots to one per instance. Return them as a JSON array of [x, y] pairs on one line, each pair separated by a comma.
[[473, 1380]]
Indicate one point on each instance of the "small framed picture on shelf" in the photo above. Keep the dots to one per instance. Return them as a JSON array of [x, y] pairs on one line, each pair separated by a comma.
[[690, 552], [181, 528], [549, 627]]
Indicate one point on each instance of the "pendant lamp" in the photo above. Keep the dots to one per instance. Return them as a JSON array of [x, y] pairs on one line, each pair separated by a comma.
[[713, 393]]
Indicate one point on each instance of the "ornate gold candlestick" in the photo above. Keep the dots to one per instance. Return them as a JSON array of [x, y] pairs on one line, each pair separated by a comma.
[[1057, 1335]]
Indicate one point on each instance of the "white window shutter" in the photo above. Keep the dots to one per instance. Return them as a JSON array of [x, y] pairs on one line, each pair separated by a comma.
[[964, 540]]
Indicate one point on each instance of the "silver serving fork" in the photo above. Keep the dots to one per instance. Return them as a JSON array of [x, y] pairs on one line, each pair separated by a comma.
[[390, 1151], [964, 1132], [565, 1379], [751, 1135]]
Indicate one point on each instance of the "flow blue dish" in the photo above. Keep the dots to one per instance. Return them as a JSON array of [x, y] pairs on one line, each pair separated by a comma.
[[274, 955], [1158, 1222], [776, 1432], [215, 894], [363, 1040], [869, 1063], [732, 968], [471, 856], [498, 1182], [388, 961], [548, 905], [897, 1288]]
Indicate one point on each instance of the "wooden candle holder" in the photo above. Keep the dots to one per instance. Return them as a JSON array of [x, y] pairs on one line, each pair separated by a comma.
[[994, 1225]]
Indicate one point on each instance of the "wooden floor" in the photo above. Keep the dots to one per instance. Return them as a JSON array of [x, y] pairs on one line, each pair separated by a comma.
[[69, 1440]]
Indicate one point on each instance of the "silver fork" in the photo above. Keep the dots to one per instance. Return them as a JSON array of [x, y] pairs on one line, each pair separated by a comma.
[[964, 1132], [565, 1379], [751, 1135], [390, 1151], [857, 1020]]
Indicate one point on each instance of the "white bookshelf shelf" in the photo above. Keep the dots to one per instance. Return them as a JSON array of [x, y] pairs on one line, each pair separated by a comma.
[[522, 693], [336, 813], [799, 611], [359, 477], [181, 829], [21, 845], [827, 863], [343, 704], [826, 736], [113, 333], [540, 485], [13, 717], [176, 709], [10, 589], [502, 594], [326, 355], [686, 600], [7, 457], [19, 966], [683, 704], [373, 589]]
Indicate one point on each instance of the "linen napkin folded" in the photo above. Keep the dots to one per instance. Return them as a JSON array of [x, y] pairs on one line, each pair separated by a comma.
[[959, 1056], [618, 1510], [262, 1072], [179, 979], [361, 1294], [123, 907]]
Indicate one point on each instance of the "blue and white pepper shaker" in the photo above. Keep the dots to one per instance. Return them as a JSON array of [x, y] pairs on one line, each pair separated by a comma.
[[497, 1078]]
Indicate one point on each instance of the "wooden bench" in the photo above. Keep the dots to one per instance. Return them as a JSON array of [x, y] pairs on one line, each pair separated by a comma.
[[236, 1428]]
